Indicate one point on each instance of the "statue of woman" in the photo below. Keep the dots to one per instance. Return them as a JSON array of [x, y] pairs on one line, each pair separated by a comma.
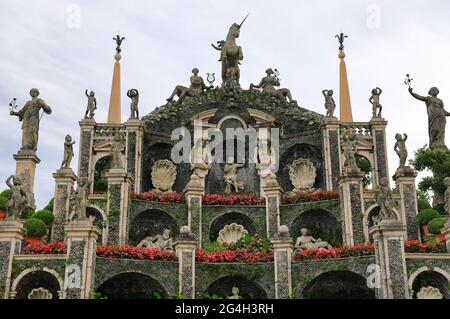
[[436, 117]]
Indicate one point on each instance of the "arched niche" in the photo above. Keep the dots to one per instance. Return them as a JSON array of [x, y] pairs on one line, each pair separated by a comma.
[[234, 217], [431, 278], [248, 289], [100, 221], [321, 224], [102, 166], [37, 278], [150, 223]]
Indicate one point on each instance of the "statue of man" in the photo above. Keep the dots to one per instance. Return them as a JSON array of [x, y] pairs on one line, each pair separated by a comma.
[[375, 100], [196, 88], [18, 200], [116, 151], [268, 84], [306, 241], [436, 117], [81, 197], [133, 94], [91, 105], [385, 201], [330, 105], [349, 148], [230, 177], [400, 148], [68, 151], [29, 115]]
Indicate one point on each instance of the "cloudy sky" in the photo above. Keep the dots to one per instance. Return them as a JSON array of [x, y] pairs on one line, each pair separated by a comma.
[[65, 47]]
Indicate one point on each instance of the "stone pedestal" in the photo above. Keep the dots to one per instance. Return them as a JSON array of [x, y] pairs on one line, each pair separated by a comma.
[[185, 246], [87, 131], [11, 236], [119, 191], [193, 195], [331, 150], [81, 254], [135, 133], [283, 248], [26, 167], [405, 180], [352, 206], [273, 202], [378, 131], [388, 237], [446, 231], [64, 181]]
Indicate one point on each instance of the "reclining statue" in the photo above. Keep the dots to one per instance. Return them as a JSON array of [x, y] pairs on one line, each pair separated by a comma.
[[162, 241], [306, 241]]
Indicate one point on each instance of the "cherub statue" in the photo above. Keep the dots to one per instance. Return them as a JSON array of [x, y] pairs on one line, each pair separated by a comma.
[[230, 177], [268, 85], [91, 105], [349, 149], [195, 89], [306, 241], [133, 94], [234, 293], [162, 241], [375, 100], [116, 151], [330, 105], [18, 200], [400, 148], [68, 151], [385, 201]]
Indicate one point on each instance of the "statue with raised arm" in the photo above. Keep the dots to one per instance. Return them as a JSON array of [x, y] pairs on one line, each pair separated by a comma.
[[116, 151], [306, 241], [195, 89], [330, 105], [375, 100], [91, 105], [436, 117], [384, 200], [133, 94], [268, 85], [230, 177], [400, 149], [18, 200], [29, 116], [68, 151]]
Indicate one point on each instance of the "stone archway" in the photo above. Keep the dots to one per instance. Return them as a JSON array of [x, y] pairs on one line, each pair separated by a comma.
[[248, 289], [321, 224], [102, 166], [423, 277], [100, 221], [225, 219], [342, 284], [34, 278], [131, 285], [150, 223], [373, 211]]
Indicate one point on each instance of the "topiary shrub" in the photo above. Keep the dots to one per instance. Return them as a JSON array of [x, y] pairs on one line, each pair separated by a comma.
[[422, 204], [425, 215], [435, 225], [35, 227], [440, 209], [6, 193], [44, 215], [3, 203], [49, 206]]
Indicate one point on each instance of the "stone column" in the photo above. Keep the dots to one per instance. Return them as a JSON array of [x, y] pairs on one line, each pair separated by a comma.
[[87, 131], [388, 237], [446, 231], [405, 180], [193, 195], [331, 150], [135, 135], [352, 206], [11, 236], [283, 248], [273, 202], [64, 181], [81, 254], [378, 131], [185, 246], [118, 201]]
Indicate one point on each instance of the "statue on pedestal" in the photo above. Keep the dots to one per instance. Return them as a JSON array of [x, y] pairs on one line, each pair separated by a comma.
[[91, 105], [79, 200], [268, 84], [116, 151], [349, 149], [230, 177], [306, 241], [385, 201], [18, 200], [330, 105], [400, 149], [29, 116], [196, 88], [375, 100], [68, 151], [201, 161], [133, 94], [162, 241]]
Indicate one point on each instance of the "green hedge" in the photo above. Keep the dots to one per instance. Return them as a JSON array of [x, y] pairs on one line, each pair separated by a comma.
[[3, 203], [49, 206], [425, 215], [435, 225], [6, 193], [44, 215], [35, 227], [422, 204]]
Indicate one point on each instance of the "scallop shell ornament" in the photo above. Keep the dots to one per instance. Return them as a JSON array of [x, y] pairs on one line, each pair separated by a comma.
[[302, 174], [40, 293], [164, 173], [231, 233], [429, 293]]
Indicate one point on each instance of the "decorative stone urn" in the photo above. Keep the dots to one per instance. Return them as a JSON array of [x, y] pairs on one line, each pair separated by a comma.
[[302, 174], [429, 293], [231, 233], [40, 293], [164, 173]]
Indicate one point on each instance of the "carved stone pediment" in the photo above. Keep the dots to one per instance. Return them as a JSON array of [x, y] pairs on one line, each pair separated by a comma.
[[231, 233], [302, 174], [164, 173]]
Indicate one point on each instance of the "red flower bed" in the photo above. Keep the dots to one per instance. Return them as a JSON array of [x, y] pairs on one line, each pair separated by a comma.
[[416, 246], [338, 252], [167, 197], [45, 249], [128, 252], [302, 197], [232, 199], [241, 255]]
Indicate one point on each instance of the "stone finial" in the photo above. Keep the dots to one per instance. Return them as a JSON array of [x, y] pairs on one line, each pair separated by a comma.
[[283, 231]]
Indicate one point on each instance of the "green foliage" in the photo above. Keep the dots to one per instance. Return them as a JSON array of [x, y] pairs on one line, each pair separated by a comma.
[[254, 243], [45, 215], [96, 295], [6, 193], [364, 165], [101, 167], [426, 215], [3, 203], [440, 209], [214, 246], [435, 225], [49, 206], [35, 227], [422, 204], [27, 213]]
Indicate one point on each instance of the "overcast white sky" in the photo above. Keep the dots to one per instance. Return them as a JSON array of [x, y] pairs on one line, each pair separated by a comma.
[[64, 47]]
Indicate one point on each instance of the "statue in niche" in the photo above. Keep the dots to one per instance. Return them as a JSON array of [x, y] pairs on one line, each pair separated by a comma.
[[30, 118], [68, 151], [268, 85], [79, 200], [349, 149], [447, 196], [133, 94], [384, 199], [230, 177], [18, 200], [197, 87], [400, 149], [201, 161], [162, 241], [116, 151], [265, 165], [330, 105], [436, 117], [234, 293], [91, 105], [375, 101], [306, 241]]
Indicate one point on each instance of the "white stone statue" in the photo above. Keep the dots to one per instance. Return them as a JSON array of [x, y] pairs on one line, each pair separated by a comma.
[[68, 151], [78, 200], [116, 151], [18, 200], [385, 201], [302, 174], [349, 149], [162, 241], [429, 293], [201, 161], [231, 233], [306, 241], [230, 177], [234, 293], [164, 173]]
